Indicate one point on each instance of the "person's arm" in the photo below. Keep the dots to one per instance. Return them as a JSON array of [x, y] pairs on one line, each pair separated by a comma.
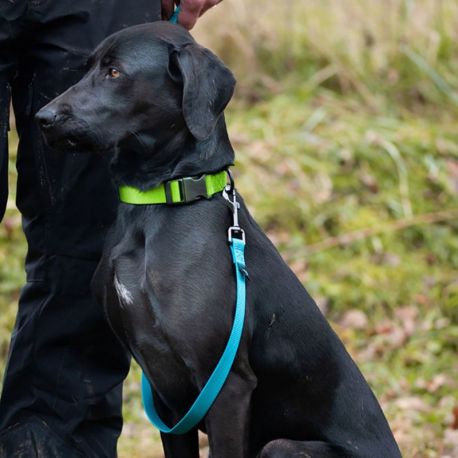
[[190, 10]]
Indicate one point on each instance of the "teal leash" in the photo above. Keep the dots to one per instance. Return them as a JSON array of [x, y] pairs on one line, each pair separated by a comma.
[[215, 383], [174, 18]]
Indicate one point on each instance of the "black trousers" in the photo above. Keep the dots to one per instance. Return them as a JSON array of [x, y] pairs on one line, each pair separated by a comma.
[[62, 385]]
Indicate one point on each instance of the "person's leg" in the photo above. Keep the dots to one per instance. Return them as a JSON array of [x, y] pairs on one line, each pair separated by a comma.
[[65, 370]]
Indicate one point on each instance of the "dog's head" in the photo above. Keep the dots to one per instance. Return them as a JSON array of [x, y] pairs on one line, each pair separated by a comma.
[[148, 78]]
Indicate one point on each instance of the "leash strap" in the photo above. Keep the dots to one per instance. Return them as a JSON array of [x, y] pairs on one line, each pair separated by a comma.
[[174, 18], [217, 379]]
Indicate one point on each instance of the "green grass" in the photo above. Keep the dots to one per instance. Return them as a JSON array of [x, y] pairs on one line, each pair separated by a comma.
[[390, 55], [364, 208], [345, 127]]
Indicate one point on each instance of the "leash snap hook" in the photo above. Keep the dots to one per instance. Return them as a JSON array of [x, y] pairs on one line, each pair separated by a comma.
[[234, 231]]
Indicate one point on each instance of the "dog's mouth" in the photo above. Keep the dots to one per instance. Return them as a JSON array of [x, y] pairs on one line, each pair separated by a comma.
[[74, 135]]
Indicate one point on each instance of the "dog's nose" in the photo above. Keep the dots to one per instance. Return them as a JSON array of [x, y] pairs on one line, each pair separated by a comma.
[[47, 117]]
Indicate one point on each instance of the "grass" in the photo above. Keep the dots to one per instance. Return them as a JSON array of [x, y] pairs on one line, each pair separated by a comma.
[[345, 129], [389, 54]]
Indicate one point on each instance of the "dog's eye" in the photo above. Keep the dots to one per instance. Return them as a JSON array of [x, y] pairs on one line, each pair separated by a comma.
[[113, 73]]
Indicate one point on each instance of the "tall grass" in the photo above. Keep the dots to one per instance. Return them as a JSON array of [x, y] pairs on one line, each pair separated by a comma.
[[403, 50]]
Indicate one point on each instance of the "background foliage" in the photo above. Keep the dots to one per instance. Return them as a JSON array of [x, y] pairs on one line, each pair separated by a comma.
[[345, 125]]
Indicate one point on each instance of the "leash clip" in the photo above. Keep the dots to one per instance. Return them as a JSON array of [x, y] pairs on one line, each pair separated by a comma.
[[234, 231]]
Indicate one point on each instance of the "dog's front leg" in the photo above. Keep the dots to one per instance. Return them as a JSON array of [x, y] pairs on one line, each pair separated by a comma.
[[228, 421], [176, 445], [181, 446]]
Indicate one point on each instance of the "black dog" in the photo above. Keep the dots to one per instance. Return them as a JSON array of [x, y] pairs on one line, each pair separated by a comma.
[[156, 98]]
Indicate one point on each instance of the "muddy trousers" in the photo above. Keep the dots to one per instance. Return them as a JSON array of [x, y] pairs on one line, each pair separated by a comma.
[[61, 392]]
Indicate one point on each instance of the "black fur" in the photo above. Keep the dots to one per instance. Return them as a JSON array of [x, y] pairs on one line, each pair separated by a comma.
[[166, 280]]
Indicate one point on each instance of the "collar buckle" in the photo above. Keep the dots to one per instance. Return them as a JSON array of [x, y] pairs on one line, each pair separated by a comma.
[[193, 188]]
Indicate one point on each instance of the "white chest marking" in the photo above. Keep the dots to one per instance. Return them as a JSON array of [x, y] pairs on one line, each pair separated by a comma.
[[123, 293]]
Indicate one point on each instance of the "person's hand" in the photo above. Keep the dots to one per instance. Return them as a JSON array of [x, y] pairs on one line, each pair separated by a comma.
[[191, 10]]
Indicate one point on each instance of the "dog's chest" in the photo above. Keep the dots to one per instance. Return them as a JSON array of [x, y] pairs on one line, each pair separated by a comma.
[[152, 326], [173, 298]]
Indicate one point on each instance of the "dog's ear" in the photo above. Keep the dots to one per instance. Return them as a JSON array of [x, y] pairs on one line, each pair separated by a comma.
[[208, 86]]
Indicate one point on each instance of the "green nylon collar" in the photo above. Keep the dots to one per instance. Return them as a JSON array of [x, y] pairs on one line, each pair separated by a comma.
[[179, 191]]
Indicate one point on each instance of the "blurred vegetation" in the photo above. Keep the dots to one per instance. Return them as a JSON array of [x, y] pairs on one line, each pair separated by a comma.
[[345, 127]]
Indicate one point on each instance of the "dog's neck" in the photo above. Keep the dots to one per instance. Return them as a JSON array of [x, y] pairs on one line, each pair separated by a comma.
[[146, 160]]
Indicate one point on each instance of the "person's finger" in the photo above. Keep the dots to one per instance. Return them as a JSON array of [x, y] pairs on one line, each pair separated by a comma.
[[209, 4], [190, 12], [167, 9]]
